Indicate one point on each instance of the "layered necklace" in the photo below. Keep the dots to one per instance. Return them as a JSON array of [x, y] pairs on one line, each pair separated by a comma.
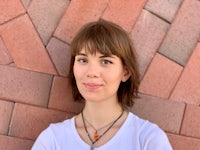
[[96, 136]]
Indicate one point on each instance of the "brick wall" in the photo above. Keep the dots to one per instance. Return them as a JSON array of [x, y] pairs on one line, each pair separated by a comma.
[[34, 59]]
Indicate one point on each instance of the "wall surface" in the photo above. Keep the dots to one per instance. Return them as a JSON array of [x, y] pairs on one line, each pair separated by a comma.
[[35, 37]]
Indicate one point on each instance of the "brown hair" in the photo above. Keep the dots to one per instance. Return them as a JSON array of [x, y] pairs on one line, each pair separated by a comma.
[[108, 39]]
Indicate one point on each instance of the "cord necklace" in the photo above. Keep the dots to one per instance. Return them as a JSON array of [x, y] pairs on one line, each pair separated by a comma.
[[96, 136]]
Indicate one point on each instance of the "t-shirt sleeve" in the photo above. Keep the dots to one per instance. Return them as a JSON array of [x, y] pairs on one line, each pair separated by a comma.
[[153, 138], [45, 141]]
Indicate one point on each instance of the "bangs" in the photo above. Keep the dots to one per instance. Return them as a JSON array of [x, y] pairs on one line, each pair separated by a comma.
[[95, 38], [92, 47]]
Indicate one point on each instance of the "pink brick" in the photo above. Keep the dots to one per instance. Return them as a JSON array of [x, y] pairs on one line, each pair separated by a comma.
[[191, 121], [4, 54], [160, 77], [5, 113], [52, 11], [13, 143], [25, 46], [10, 9], [163, 8], [28, 121], [166, 113], [26, 3], [60, 55], [79, 13], [24, 86], [184, 33], [124, 13], [184, 143], [146, 46], [187, 89], [61, 96]]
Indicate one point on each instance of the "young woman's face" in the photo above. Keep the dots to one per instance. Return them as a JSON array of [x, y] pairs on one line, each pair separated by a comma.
[[98, 76]]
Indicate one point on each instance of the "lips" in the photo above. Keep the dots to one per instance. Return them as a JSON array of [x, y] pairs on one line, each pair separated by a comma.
[[92, 86]]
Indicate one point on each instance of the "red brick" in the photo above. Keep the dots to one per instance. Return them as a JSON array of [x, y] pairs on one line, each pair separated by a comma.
[[160, 77], [191, 121], [187, 88], [51, 9], [60, 55], [10, 9], [25, 46], [4, 54], [5, 113], [163, 8], [146, 46], [79, 13], [61, 96], [11, 143], [167, 114], [184, 33], [124, 13], [184, 143], [24, 86], [28, 121]]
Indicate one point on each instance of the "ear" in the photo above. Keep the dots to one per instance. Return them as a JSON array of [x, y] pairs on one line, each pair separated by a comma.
[[126, 74]]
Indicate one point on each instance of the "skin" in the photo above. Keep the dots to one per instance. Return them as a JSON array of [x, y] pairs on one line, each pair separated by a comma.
[[98, 78]]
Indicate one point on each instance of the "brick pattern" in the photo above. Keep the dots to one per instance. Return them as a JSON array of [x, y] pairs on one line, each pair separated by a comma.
[[160, 77], [4, 54], [10, 143], [188, 86], [34, 120], [184, 33], [148, 25], [10, 10], [35, 39], [184, 142], [165, 9], [119, 12], [6, 109], [59, 53], [24, 86], [71, 22], [48, 8]]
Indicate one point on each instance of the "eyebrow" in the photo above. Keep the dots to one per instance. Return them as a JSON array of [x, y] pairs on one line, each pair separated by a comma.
[[82, 54], [102, 56]]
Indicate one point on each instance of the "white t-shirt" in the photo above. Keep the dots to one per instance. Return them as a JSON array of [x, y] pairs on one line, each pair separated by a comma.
[[134, 134]]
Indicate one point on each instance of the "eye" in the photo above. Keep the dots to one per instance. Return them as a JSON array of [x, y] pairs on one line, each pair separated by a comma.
[[82, 60], [106, 62]]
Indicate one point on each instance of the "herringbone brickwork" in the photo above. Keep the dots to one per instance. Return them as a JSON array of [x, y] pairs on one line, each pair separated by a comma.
[[35, 38]]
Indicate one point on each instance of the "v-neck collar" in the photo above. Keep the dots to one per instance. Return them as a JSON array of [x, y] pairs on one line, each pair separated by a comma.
[[113, 140]]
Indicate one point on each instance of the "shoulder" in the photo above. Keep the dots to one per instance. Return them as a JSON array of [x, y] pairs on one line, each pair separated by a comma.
[[55, 132], [61, 126], [150, 134]]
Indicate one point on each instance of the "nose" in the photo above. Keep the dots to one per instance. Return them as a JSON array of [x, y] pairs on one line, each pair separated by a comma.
[[93, 71]]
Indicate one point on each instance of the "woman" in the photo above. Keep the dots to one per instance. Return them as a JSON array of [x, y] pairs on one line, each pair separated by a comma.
[[104, 76]]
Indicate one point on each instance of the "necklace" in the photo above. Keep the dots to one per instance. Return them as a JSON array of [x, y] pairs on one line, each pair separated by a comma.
[[96, 136]]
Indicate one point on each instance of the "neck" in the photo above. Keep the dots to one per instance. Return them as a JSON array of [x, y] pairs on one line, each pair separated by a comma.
[[100, 114]]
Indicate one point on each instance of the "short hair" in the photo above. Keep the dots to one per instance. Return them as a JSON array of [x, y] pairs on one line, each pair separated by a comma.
[[109, 39]]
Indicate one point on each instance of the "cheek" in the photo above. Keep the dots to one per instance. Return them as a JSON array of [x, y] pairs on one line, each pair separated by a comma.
[[114, 76], [78, 72]]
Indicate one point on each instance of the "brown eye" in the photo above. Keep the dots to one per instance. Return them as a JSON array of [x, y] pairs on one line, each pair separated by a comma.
[[82, 60], [105, 62]]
